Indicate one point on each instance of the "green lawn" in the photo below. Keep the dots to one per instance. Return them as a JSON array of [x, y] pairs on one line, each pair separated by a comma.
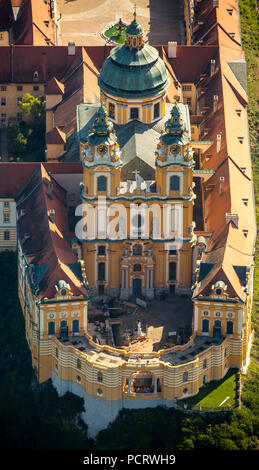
[[213, 394], [112, 33]]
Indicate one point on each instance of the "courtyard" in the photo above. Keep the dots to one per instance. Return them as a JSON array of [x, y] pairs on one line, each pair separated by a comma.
[[84, 22], [162, 324]]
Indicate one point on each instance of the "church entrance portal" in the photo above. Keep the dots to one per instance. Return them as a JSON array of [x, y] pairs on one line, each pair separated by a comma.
[[137, 287]]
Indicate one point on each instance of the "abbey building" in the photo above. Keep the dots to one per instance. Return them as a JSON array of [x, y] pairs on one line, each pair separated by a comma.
[[136, 236]]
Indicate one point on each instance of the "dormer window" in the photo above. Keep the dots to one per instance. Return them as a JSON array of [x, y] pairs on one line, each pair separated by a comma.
[[35, 75]]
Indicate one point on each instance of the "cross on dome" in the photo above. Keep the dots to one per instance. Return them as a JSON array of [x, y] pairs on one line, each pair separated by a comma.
[[134, 34]]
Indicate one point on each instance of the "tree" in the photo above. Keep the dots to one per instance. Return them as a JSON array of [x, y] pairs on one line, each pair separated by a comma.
[[34, 108]]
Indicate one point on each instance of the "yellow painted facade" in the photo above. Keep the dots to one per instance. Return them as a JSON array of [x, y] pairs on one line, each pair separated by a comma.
[[11, 94], [8, 238], [148, 109]]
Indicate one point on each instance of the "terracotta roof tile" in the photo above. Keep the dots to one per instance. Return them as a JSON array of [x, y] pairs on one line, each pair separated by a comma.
[[54, 87], [55, 136], [42, 239]]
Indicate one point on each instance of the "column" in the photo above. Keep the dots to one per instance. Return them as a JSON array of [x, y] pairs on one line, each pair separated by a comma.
[[151, 278], [155, 385], [129, 385], [147, 283], [127, 279]]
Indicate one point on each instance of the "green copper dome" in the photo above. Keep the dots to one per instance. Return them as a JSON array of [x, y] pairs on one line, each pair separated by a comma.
[[134, 28], [134, 69]]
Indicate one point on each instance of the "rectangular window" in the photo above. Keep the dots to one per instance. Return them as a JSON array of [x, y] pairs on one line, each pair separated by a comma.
[[156, 110], [101, 250], [19, 88], [172, 271], [111, 110], [3, 101], [134, 113], [36, 88], [189, 101], [6, 217], [18, 100], [187, 88], [6, 235], [6, 204], [101, 271], [3, 88]]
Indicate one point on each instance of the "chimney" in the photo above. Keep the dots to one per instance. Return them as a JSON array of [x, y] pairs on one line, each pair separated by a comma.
[[215, 102], [71, 48], [221, 184], [52, 215], [218, 142], [172, 45], [50, 190], [232, 218], [212, 67]]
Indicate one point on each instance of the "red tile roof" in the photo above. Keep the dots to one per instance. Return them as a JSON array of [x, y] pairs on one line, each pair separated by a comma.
[[55, 136], [14, 176], [54, 87], [41, 238]]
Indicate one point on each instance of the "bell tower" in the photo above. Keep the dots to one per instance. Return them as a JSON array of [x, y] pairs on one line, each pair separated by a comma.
[[101, 161], [174, 181]]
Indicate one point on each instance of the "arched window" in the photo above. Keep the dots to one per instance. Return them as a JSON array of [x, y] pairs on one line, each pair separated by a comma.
[[101, 183], [229, 328], [185, 376], [174, 183], [137, 267], [51, 328], [205, 326], [100, 377], [137, 250]]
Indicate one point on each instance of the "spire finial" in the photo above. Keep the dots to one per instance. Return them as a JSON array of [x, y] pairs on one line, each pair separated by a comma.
[[135, 11]]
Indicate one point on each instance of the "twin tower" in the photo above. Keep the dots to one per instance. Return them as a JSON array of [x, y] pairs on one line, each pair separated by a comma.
[[137, 232]]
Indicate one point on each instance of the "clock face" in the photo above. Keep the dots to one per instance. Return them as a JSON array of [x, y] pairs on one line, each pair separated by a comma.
[[175, 148], [102, 149]]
